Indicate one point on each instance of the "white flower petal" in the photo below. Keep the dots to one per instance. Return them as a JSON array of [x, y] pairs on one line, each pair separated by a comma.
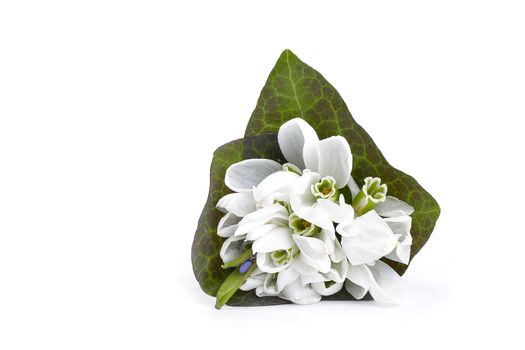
[[255, 280], [318, 217], [366, 239], [315, 277], [260, 231], [266, 264], [240, 204], [276, 239], [286, 277], [386, 286], [299, 294], [313, 252], [328, 238], [301, 266], [232, 248], [244, 175], [311, 156], [227, 225], [301, 191], [358, 283], [335, 159], [324, 291], [338, 271], [269, 287], [353, 186], [279, 181], [393, 207], [337, 212], [275, 214], [292, 137], [355, 290], [401, 227]]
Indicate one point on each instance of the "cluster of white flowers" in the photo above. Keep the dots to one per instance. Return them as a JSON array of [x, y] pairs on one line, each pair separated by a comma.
[[292, 230]]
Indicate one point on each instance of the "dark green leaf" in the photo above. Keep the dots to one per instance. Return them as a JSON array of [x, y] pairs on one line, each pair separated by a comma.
[[294, 89]]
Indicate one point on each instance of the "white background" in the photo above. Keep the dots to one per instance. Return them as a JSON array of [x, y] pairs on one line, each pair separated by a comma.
[[110, 112]]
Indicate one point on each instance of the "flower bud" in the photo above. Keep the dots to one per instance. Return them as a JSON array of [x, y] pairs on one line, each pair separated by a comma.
[[372, 193]]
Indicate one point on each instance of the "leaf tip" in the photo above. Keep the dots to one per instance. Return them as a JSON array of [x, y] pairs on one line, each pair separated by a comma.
[[286, 54]]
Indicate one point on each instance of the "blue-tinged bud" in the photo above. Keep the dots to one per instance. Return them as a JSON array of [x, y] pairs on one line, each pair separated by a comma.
[[245, 266]]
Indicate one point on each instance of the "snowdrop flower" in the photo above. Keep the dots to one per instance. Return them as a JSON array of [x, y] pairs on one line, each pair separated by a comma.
[[382, 231], [280, 223]]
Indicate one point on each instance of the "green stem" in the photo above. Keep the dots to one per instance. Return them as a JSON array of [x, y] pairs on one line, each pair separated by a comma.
[[231, 284], [242, 258]]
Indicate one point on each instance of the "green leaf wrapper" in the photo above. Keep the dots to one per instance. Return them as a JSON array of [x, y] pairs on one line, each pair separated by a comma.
[[294, 89]]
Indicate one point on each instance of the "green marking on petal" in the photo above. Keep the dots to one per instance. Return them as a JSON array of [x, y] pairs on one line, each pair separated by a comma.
[[282, 256], [325, 189], [372, 193], [286, 206], [301, 226]]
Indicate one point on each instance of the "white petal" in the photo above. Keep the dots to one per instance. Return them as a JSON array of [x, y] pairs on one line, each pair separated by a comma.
[[337, 212], [255, 280], [292, 137], [286, 277], [313, 252], [318, 217], [366, 239], [328, 239], [401, 227], [324, 291], [227, 225], [315, 277], [335, 159], [353, 186], [275, 214], [260, 231], [240, 204], [338, 271], [355, 290], [301, 266], [232, 248], [277, 182], [299, 294], [277, 239], [301, 194], [358, 283], [386, 286], [338, 253], [266, 264], [311, 156], [269, 287], [244, 175], [393, 207]]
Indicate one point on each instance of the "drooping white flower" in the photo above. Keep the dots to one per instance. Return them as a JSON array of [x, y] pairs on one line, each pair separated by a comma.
[[383, 283], [397, 213]]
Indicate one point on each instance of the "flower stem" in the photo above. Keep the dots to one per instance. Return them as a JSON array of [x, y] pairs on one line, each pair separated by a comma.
[[231, 284], [242, 258]]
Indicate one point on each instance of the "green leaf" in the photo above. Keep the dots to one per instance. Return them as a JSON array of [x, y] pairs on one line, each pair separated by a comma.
[[231, 285], [294, 89]]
